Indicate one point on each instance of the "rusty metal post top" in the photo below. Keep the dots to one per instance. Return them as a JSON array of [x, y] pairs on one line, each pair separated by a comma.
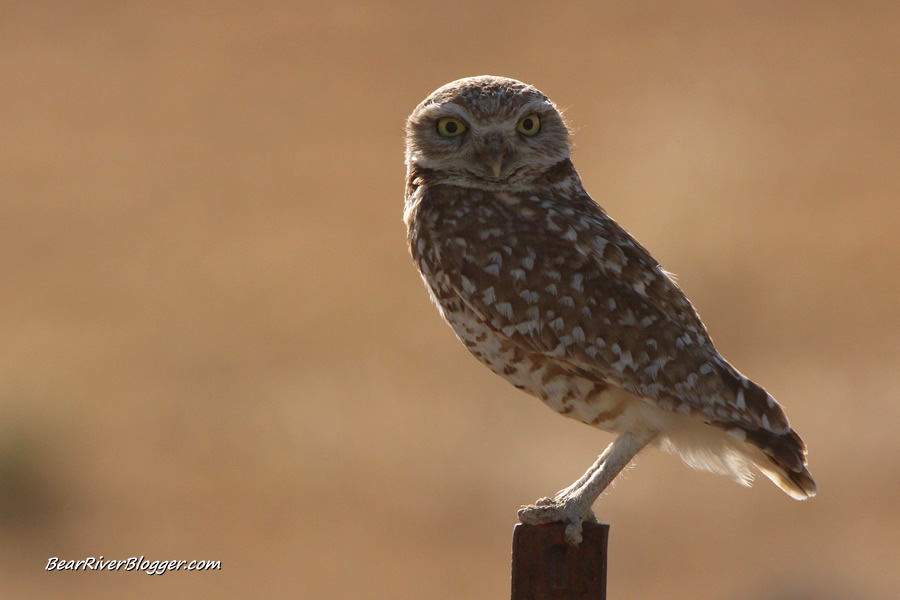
[[544, 567]]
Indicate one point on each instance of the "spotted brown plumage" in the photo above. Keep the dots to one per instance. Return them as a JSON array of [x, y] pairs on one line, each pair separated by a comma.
[[549, 292]]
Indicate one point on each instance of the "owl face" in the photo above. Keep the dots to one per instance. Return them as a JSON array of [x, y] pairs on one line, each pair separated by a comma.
[[486, 132]]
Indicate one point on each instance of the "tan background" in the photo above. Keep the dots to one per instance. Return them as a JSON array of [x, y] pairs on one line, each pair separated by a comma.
[[214, 346]]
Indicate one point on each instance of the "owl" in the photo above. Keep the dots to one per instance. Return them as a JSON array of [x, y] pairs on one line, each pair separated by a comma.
[[549, 292]]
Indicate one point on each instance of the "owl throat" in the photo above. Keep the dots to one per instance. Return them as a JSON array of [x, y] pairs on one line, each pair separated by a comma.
[[561, 174]]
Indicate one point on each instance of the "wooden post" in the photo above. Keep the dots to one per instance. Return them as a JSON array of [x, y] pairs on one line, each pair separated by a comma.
[[544, 567]]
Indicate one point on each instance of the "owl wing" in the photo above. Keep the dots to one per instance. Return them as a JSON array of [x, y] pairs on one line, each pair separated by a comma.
[[559, 278]]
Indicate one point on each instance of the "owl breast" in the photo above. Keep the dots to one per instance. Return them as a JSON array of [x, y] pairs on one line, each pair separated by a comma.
[[580, 398]]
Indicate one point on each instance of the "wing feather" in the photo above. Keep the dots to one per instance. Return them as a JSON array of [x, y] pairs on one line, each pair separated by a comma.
[[590, 296]]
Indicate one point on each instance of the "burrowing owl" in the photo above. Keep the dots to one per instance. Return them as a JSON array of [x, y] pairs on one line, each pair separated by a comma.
[[549, 292]]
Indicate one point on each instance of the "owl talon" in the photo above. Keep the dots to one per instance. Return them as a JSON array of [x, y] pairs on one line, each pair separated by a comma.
[[541, 514], [572, 513], [573, 533]]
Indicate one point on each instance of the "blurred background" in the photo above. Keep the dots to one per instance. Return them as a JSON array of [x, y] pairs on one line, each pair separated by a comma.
[[213, 344]]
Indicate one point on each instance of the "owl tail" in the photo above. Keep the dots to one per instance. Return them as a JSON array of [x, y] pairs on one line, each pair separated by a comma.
[[784, 461]]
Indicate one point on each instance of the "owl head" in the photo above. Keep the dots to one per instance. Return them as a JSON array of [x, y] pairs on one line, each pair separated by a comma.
[[486, 131]]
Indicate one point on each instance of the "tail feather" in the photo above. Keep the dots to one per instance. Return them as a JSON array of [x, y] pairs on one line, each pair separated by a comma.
[[798, 485], [783, 458]]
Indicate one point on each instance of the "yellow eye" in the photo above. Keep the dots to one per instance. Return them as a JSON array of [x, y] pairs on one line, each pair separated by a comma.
[[529, 125], [450, 127]]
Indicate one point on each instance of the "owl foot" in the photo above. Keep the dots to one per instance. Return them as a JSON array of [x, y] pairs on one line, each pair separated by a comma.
[[570, 511]]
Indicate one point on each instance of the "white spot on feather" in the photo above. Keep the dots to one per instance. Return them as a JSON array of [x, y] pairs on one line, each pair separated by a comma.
[[467, 286], [577, 282], [529, 296], [505, 309], [691, 381], [624, 362], [529, 327], [528, 262], [655, 367]]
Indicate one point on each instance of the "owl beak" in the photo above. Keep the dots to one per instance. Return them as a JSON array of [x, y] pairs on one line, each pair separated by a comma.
[[494, 153]]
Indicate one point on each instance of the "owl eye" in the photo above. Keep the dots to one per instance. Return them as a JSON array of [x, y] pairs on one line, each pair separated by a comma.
[[450, 127], [529, 125]]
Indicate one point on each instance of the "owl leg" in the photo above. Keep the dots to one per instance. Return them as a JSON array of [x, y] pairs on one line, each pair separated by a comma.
[[563, 494], [574, 508]]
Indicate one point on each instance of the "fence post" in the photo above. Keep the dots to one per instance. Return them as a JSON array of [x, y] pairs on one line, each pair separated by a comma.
[[544, 567]]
